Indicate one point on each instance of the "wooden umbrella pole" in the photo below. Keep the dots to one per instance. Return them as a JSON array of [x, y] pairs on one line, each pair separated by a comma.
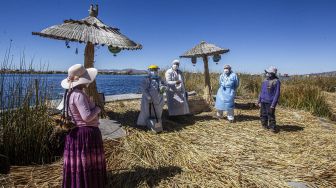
[[207, 88], [89, 63]]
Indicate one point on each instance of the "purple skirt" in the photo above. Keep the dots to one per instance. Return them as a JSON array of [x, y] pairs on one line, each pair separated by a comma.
[[84, 160]]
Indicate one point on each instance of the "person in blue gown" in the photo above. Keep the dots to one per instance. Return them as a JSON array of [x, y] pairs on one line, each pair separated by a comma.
[[225, 97]]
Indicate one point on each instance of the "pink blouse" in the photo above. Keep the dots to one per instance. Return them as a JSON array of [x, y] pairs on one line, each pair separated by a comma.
[[83, 111]]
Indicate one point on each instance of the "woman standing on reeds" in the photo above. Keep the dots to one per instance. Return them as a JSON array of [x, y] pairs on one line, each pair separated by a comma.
[[84, 159], [229, 83], [268, 99]]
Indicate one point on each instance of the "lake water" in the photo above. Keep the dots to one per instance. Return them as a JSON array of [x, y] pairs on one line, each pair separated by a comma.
[[107, 84]]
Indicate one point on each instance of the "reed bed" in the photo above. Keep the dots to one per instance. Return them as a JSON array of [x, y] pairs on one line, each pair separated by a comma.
[[305, 97], [325, 83], [201, 151], [300, 92], [25, 124], [331, 98], [193, 151]]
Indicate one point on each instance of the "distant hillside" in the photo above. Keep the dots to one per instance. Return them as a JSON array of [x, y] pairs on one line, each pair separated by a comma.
[[332, 73], [122, 71]]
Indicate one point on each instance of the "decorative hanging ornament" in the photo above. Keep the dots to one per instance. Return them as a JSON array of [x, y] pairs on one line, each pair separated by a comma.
[[114, 50], [67, 44], [193, 60], [216, 58], [76, 52]]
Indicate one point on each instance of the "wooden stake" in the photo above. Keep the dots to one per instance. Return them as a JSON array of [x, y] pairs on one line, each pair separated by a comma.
[[89, 63], [207, 87]]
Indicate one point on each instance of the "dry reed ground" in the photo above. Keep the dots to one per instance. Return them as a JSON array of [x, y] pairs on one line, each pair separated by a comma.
[[331, 98], [201, 151]]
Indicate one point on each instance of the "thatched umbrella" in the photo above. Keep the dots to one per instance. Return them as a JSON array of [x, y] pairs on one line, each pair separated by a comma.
[[203, 50], [91, 31]]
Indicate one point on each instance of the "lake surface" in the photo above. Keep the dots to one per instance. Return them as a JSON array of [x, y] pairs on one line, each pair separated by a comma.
[[107, 84]]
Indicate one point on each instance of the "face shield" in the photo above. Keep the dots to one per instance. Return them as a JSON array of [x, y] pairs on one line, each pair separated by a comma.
[[153, 73]]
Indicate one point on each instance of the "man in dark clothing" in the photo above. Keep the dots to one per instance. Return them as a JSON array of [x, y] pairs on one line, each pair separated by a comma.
[[268, 99]]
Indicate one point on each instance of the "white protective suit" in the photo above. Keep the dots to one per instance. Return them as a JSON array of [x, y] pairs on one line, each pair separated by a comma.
[[176, 93], [150, 93]]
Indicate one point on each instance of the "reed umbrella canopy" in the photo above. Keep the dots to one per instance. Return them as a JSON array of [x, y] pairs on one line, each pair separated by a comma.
[[204, 50], [91, 31]]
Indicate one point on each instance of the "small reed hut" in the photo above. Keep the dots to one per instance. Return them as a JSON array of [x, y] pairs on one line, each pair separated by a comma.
[[204, 50]]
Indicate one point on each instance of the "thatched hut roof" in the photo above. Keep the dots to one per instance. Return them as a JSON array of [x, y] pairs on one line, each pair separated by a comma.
[[204, 49], [89, 29]]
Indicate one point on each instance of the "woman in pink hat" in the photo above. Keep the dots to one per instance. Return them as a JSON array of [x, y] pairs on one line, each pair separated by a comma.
[[84, 159]]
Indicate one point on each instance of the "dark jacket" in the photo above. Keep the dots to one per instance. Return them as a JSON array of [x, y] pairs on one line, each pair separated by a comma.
[[270, 91]]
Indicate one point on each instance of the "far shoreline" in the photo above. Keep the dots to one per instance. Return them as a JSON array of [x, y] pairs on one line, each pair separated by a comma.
[[64, 72]]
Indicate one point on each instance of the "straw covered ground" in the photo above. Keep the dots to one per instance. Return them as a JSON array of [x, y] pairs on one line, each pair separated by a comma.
[[201, 151]]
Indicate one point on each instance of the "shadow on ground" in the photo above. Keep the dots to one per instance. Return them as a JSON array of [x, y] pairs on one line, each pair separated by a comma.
[[290, 128], [139, 175], [170, 124], [246, 106], [127, 118], [177, 123], [242, 118]]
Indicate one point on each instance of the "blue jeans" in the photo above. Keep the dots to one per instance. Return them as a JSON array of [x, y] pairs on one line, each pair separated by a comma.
[[267, 116]]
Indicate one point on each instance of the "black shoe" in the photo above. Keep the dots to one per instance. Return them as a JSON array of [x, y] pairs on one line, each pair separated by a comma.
[[265, 127], [274, 130], [231, 121]]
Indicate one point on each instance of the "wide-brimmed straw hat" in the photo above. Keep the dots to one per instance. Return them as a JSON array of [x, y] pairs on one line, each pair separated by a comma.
[[78, 75]]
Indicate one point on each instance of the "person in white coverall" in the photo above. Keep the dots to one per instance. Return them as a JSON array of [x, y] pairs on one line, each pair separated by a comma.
[[152, 92], [176, 94]]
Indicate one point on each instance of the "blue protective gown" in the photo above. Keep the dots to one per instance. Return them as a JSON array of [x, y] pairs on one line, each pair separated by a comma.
[[227, 91]]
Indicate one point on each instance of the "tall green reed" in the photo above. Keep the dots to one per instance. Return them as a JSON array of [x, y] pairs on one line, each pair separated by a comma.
[[25, 125], [305, 97]]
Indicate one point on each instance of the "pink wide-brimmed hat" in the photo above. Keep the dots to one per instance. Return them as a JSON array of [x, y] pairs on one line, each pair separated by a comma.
[[78, 75]]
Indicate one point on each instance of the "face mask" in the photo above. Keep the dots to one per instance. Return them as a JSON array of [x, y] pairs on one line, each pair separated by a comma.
[[226, 71], [270, 75], [175, 67], [153, 74]]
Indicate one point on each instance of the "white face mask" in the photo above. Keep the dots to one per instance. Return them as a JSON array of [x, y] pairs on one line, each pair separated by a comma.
[[175, 67], [226, 71]]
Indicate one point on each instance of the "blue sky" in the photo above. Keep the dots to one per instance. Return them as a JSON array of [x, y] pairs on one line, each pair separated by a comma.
[[297, 36]]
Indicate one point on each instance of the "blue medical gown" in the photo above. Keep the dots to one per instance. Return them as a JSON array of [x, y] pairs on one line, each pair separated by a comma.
[[226, 92]]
